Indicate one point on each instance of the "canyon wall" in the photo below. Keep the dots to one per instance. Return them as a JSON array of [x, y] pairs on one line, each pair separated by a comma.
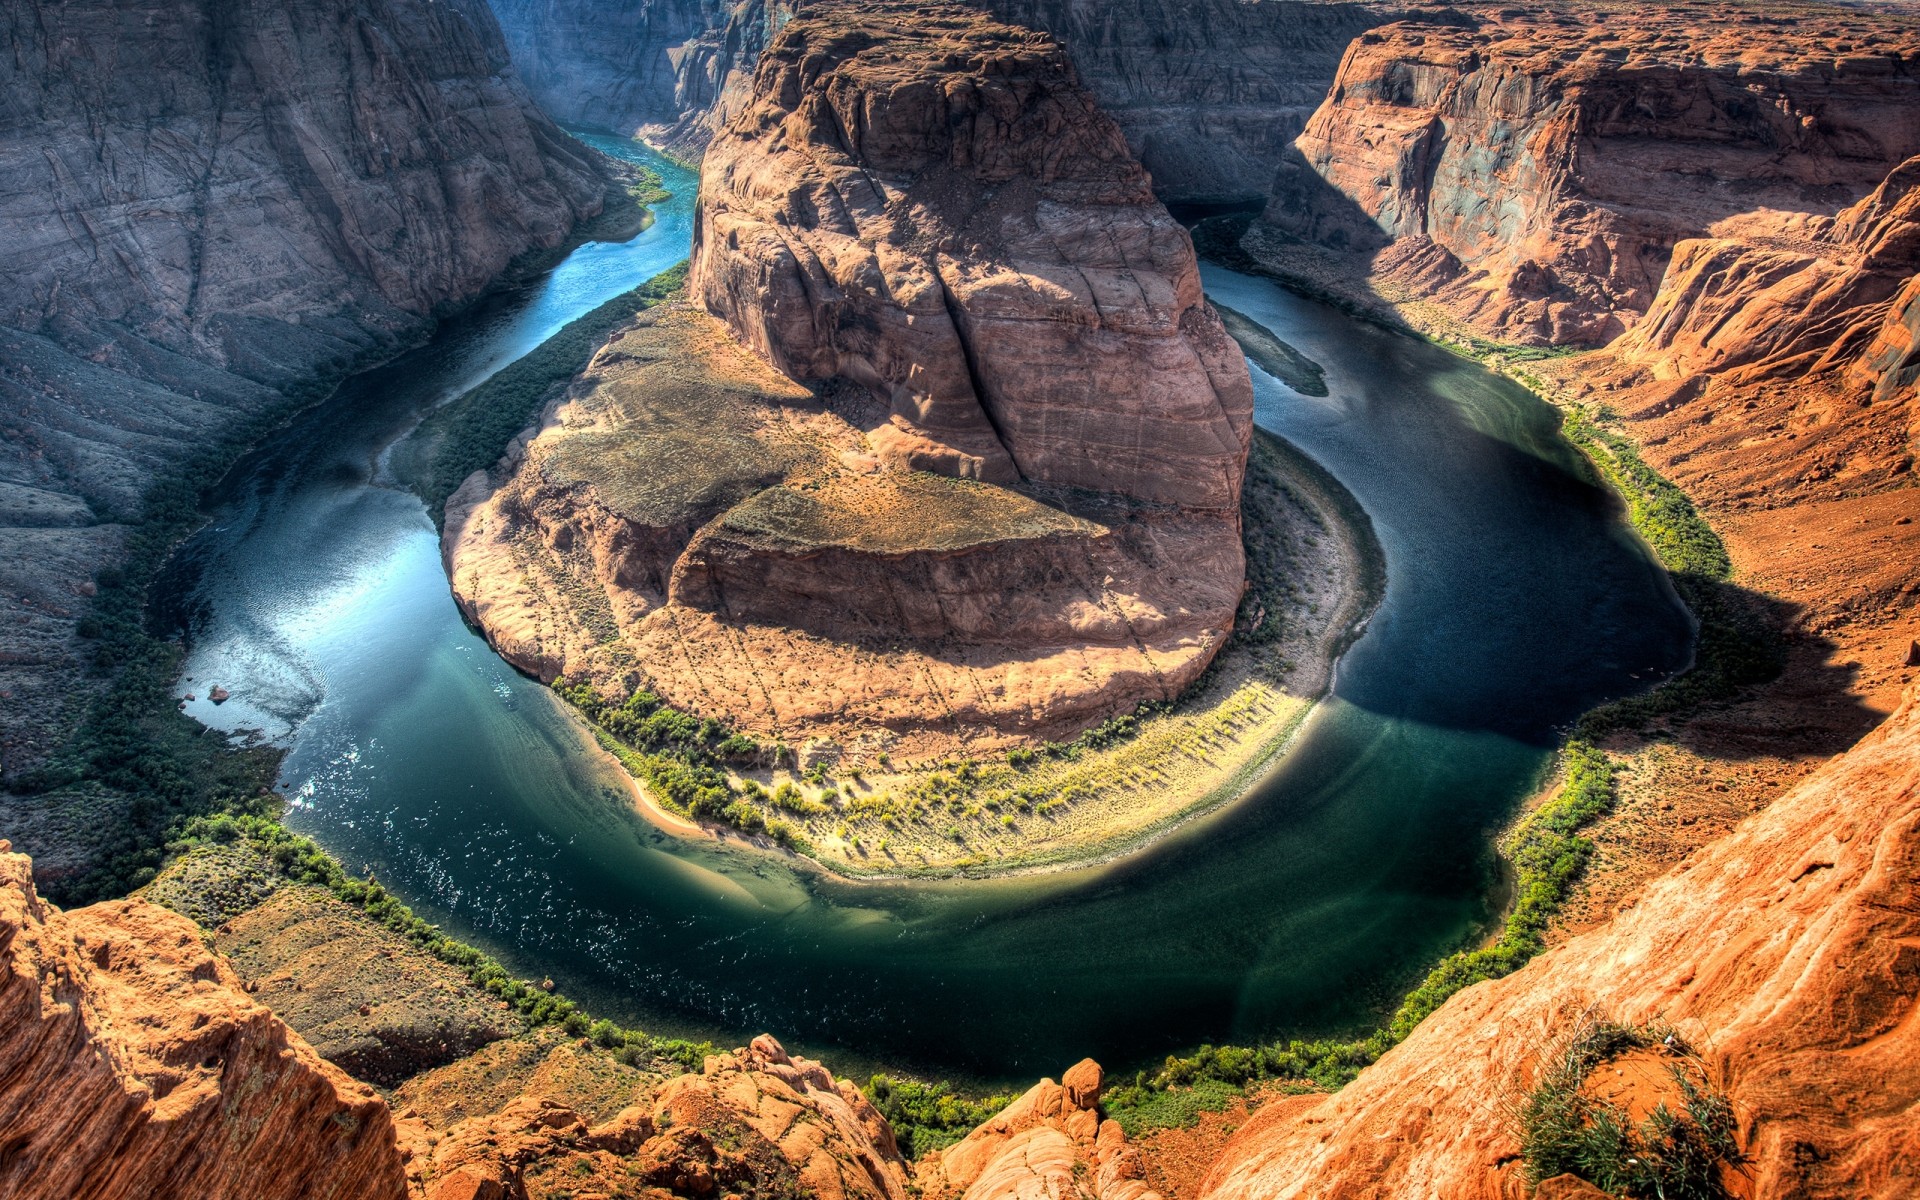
[[1209, 94], [938, 212], [956, 443], [1530, 170], [1802, 1002], [206, 204], [133, 1065]]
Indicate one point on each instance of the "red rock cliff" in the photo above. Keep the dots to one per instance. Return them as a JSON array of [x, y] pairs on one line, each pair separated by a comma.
[[1532, 169], [133, 1065], [1790, 950], [928, 204]]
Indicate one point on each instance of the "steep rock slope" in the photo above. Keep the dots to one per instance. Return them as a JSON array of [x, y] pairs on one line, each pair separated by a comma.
[[1209, 94], [132, 1064], [1531, 169], [1048, 1142], [206, 203], [1005, 504], [937, 211], [1803, 999], [1802, 327]]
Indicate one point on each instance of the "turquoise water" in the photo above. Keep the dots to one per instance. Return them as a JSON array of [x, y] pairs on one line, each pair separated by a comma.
[[1516, 598]]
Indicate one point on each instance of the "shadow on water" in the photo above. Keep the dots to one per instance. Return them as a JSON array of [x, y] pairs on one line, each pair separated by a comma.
[[1515, 598]]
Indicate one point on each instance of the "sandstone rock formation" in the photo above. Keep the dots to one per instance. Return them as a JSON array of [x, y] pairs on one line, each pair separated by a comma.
[[1798, 326], [1209, 95], [755, 1123], [934, 209], [1532, 168], [1006, 507], [1803, 998], [132, 1064], [1050, 1142], [208, 203]]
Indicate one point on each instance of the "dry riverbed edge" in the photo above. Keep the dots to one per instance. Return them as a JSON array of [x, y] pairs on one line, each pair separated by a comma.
[[1207, 750]]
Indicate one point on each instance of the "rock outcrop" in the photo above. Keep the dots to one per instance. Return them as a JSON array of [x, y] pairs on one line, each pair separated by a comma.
[[133, 1065], [1050, 1142], [1803, 998], [755, 1123], [1209, 95], [209, 204], [1777, 362], [1532, 169], [1004, 504], [934, 209]]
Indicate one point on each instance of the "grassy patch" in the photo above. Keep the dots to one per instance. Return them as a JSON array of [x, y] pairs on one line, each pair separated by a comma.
[[929, 1116], [1674, 1153], [1735, 648], [469, 433]]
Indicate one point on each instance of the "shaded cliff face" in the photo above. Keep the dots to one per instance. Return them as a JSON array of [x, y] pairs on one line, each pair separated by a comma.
[[132, 1064], [1777, 363], [1533, 170], [1803, 998], [205, 204], [1209, 95], [935, 209]]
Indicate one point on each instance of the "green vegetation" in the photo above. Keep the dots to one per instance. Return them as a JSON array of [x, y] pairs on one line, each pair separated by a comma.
[[1671, 1155], [683, 758], [469, 433], [929, 1116], [301, 860], [1735, 648]]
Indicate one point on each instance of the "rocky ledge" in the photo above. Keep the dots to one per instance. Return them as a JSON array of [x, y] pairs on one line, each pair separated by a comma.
[[956, 459], [1529, 170]]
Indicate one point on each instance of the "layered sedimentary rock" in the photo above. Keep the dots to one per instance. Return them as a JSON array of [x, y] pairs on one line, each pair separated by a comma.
[[1049, 1142], [934, 209], [1777, 362], [1803, 1000], [1209, 94], [133, 1064], [207, 203], [1532, 170], [988, 487], [755, 1123]]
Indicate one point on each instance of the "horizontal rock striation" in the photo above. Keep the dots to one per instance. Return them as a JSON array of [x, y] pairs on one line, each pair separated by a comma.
[[1210, 95], [207, 205], [692, 522], [1533, 169], [1802, 998], [936, 210], [133, 1065]]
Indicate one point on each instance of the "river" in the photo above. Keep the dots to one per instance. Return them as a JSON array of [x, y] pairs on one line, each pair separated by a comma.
[[1516, 598]]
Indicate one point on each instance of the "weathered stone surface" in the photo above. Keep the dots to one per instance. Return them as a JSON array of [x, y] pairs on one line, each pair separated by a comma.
[[1050, 1143], [133, 1065], [765, 568], [755, 1123], [1532, 168], [208, 202], [1803, 998], [928, 204], [1209, 95]]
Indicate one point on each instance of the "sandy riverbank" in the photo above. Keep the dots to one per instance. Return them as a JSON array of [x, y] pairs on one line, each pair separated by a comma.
[[1314, 578]]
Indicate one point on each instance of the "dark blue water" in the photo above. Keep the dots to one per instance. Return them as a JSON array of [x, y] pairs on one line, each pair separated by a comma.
[[1516, 599]]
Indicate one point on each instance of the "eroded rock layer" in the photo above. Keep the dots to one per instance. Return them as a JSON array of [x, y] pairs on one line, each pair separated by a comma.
[[928, 204], [206, 203], [1531, 169], [692, 522], [1805, 1001], [133, 1065]]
